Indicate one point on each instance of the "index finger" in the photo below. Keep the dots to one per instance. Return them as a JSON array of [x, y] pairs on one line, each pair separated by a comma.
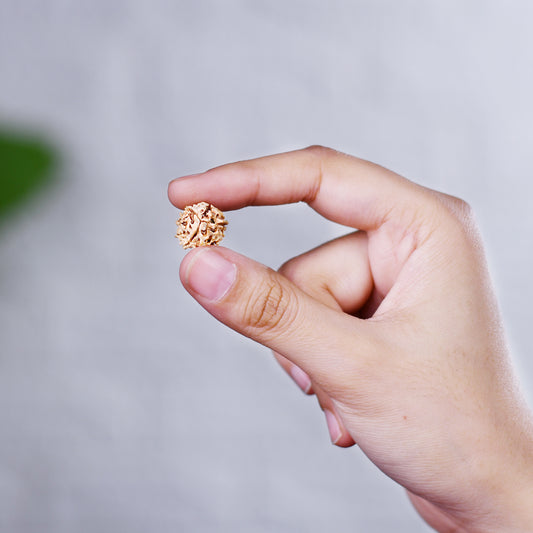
[[344, 189]]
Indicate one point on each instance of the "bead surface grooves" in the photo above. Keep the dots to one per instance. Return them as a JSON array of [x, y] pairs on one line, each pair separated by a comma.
[[201, 224]]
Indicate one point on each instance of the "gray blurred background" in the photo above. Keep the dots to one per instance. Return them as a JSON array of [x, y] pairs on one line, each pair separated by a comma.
[[117, 411]]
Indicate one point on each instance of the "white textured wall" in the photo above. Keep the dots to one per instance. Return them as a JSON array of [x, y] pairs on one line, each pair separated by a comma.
[[117, 411]]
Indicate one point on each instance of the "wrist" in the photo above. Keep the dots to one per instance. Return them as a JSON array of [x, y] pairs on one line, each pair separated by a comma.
[[512, 513], [505, 496], [517, 503]]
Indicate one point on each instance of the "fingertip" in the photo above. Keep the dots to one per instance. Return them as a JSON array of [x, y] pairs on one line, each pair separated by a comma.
[[178, 191], [207, 274], [301, 379], [337, 431], [345, 441], [185, 264], [171, 193]]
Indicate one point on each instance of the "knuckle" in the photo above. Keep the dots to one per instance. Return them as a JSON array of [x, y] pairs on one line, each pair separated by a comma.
[[316, 148], [320, 151], [291, 269], [301, 274], [458, 216], [465, 212], [270, 307], [457, 207]]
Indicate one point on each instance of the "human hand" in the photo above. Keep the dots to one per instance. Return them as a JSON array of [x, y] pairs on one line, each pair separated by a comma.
[[394, 327]]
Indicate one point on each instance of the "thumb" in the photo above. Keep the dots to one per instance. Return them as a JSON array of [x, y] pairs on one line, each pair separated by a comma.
[[266, 307]]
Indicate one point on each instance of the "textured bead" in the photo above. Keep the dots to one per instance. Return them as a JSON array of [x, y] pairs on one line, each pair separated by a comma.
[[201, 224]]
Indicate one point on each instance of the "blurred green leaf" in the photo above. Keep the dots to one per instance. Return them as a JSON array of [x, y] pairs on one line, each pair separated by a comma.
[[26, 166]]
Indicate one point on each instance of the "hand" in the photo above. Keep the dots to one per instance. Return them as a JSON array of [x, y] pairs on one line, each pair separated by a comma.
[[394, 327]]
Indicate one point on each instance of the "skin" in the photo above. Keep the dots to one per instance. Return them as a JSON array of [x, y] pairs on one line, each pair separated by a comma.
[[394, 327]]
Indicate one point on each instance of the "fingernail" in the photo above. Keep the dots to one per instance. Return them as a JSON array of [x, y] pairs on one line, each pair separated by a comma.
[[301, 378], [335, 432], [210, 275]]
